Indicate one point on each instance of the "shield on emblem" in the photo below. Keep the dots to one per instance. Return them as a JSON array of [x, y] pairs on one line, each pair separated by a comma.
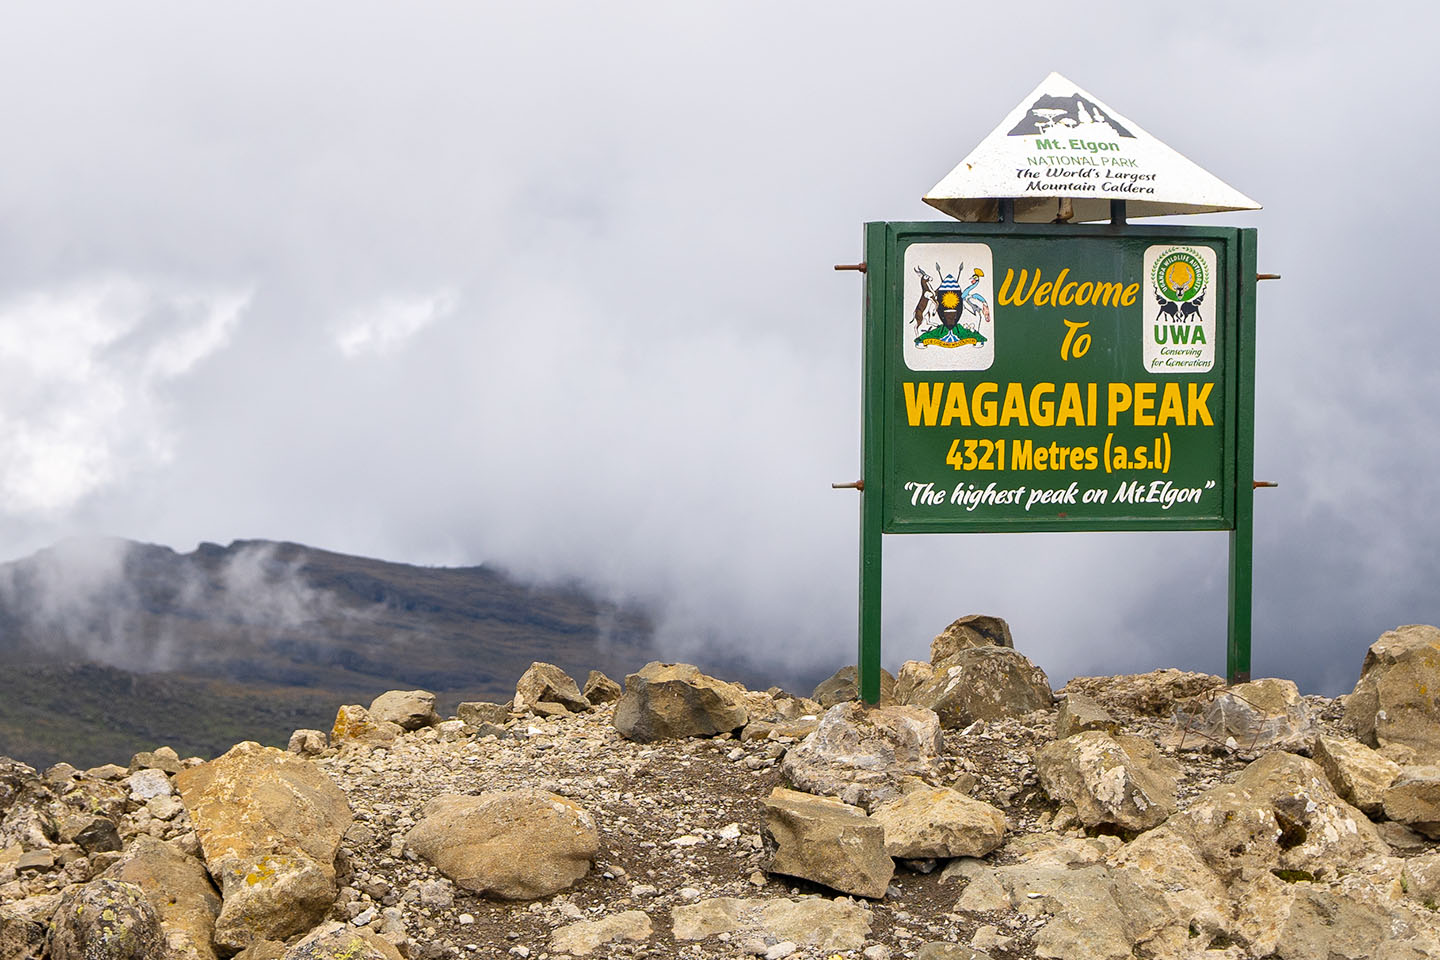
[[949, 304]]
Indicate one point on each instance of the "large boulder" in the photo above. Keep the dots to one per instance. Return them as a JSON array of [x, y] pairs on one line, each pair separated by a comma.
[[270, 826], [1258, 715], [545, 683], [407, 709], [179, 889], [828, 842], [844, 685], [1397, 699], [601, 689], [1114, 782], [106, 920], [975, 630], [670, 701], [939, 823], [1414, 799], [983, 683], [354, 724], [863, 755], [510, 844]]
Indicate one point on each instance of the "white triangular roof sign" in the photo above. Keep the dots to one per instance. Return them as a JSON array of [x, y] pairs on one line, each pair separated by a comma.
[[1063, 154]]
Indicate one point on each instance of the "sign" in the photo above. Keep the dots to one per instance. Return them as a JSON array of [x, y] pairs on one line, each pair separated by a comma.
[[1066, 378], [1028, 377], [1062, 154]]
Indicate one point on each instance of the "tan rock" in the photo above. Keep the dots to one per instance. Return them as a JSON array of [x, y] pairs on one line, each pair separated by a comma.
[[668, 701], [601, 689], [545, 683], [308, 743], [828, 842], [1119, 782], [1414, 799], [21, 937], [815, 922], [476, 712], [984, 683], [1394, 700], [1154, 694], [939, 823], [407, 709], [163, 758], [270, 826], [586, 936], [975, 630], [353, 724], [511, 844], [1079, 713], [179, 889], [1358, 774], [338, 942], [864, 754]]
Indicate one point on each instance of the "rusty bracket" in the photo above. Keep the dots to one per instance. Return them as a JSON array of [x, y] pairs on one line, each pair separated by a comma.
[[1257, 484], [1267, 276], [855, 485], [850, 266]]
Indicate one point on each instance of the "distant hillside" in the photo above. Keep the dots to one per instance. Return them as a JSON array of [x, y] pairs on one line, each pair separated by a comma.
[[269, 634]]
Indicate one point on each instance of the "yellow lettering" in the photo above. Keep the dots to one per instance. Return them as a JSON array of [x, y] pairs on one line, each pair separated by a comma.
[[1042, 411], [1014, 409], [1119, 399], [984, 409], [1107, 294], [1084, 294], [1144, 403], [1070, 409], [1127, 299], [1060, 288], [955, 408], [1172, 408], [1197, 403], [1017, 299], [922, 401], [1042, 296], [1020, 455]]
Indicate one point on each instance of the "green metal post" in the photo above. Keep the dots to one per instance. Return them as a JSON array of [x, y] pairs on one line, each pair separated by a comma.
[[1242, 537], [871, 443]]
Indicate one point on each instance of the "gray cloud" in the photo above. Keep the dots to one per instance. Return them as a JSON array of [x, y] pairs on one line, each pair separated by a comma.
[[637, 366]]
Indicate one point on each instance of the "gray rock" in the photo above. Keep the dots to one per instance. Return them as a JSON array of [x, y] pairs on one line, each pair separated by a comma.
[[93, 834], [407, 709], [1257, 715], [511, 844], [601, 689], [815, 922], [476, 712], [844, 685], [863, 755], [665, 701], [975, 630], [1079, 713], [106, 920], [545, 683], [163, 758], [148, 784], [828, 842], [1154, 694], [984, 683], [1121, 783], [1394, 700]]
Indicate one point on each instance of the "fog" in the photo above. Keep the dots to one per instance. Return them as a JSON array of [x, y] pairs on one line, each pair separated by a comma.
[[550, 287]]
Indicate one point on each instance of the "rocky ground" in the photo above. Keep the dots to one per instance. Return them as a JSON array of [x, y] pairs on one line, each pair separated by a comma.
[[973, 814]]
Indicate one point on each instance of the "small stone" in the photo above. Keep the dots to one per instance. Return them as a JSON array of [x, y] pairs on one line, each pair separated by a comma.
[[782, 949], [148, 784]]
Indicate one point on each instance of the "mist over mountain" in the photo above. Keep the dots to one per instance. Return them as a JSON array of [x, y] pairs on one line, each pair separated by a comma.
[[140, 643]]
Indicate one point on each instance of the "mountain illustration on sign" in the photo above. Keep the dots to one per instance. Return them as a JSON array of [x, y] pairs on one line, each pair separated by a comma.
[[941, 309], [1067, 113]]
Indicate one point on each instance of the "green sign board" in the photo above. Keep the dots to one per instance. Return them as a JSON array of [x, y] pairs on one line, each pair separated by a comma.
[[1057, 377]]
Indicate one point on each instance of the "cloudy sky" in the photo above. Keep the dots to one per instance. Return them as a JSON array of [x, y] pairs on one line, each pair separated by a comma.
[[549, 285]]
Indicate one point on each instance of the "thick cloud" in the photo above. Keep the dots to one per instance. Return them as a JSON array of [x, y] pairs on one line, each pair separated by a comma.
[[549, 286]]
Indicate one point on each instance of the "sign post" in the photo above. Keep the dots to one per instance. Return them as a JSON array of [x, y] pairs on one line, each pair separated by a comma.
[[1048, 376]]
